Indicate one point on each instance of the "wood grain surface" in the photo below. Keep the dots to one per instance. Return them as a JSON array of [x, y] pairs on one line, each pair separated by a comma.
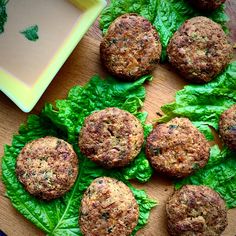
[[80, 66]]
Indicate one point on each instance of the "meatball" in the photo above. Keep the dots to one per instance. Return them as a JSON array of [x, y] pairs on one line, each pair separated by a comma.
[[47, 167], [177, 148], [196, 211], [199, 50], [227, 127], [109, 208], [131, 47], [207, 5], [111, 137]]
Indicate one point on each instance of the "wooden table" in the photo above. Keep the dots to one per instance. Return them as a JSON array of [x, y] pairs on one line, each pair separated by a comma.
[[80, 66]]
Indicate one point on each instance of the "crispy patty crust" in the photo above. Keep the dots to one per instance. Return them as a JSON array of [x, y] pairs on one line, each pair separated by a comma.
[[111, 137], [47, 167], [227, 127], [196, 211], [207, 5], [109, 208], [177, 148], [199, 50], [131, 47]]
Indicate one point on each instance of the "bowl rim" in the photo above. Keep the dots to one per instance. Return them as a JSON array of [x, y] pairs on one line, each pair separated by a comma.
[[26, 97]]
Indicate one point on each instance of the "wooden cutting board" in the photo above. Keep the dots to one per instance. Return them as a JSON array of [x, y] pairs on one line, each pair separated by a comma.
[[81, 65]]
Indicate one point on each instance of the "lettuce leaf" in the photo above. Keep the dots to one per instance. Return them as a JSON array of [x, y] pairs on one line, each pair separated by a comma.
[[60, 216], [165, 15], [203, 105], [219, 174]]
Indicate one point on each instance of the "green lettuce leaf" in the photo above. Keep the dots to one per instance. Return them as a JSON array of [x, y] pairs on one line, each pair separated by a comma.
[[203, 105], [219, 174], [59, 217], [139, 169], [165, 15]]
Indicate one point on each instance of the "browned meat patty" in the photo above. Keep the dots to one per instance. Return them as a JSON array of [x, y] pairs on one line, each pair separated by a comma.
[[177, 148], [227, 127], [207, 5], [108, 208], [111, 137], [131, 47], [47, 167], [196, 211], [199, 50]]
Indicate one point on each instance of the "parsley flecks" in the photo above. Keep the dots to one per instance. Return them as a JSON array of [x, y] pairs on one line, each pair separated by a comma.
[[31, 33]]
